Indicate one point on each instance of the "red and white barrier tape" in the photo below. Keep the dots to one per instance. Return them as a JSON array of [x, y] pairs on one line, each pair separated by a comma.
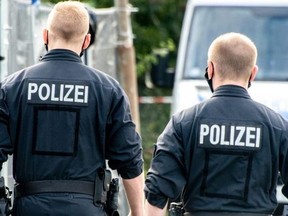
[[155, 100]]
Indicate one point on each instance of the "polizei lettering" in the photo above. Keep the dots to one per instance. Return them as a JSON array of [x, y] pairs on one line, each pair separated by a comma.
[[226, 135], [55, 92]]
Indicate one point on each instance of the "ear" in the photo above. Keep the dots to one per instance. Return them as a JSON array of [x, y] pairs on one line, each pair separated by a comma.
[[253, 73], [45, 36], [86, 41], [210, 70]]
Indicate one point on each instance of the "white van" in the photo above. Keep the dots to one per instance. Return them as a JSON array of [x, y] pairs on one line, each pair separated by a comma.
[[265, 22]]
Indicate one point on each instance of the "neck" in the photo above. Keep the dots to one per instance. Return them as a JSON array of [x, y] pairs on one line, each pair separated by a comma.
[[230, 82], [73, 47]]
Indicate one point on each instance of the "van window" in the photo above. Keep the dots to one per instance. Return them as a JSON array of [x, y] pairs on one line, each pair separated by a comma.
[[267, 27]]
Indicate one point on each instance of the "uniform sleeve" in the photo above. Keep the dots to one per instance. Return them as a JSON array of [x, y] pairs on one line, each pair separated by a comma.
[[6, 147], [283, 162], [124, 149], [165, 178]]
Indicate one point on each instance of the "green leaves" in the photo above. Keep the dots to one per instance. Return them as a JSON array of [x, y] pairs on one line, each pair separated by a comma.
[[157, 27]]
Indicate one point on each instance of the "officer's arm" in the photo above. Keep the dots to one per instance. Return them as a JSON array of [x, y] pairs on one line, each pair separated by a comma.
[[5, 143], [165, 178], [283, 161], [135, 195], [151, 210]]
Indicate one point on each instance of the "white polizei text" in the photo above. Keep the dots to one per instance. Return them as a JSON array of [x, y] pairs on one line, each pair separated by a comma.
[[64, 92], [233, 135]]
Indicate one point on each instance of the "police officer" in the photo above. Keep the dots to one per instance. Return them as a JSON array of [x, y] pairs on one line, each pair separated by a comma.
[[222, 156], [62, 120]]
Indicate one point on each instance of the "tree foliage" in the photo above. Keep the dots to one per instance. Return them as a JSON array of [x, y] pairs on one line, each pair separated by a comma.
[[157, 26]]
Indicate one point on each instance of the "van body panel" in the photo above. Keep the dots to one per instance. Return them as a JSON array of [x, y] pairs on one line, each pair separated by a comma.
[[196, 91], [239, 2]]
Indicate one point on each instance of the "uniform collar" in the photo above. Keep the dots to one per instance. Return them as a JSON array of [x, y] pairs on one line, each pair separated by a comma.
[[231, 91], [61, 55]]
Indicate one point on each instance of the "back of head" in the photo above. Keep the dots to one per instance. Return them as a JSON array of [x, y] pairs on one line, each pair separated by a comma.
[[234, 55], [68, 21]]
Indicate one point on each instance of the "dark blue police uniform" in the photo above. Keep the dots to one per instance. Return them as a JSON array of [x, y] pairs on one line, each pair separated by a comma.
[[222, 155], [62, 120]]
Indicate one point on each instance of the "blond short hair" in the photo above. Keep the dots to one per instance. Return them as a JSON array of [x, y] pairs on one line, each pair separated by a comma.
[[69, 21], [234, 54]]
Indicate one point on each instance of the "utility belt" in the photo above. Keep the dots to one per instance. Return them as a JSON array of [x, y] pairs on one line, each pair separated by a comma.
[[54, 186], [222, 214], [176, 209], [104, 189]]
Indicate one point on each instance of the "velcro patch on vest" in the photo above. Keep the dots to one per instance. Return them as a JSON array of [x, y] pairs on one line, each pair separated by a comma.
[[230, 135], [57, 92]]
